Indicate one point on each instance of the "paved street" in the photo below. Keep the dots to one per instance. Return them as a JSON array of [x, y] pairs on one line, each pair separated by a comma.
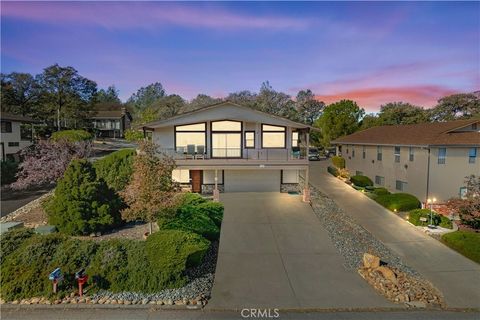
[[457, 277], [150, 314], [275, 253], [12, 200]]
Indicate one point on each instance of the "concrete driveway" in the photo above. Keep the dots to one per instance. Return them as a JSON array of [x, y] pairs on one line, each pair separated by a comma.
[[274, 253], [457, 277]]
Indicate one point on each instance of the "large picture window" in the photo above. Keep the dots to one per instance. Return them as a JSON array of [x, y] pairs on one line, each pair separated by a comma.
[[273, 136], [226, 139], [190, 134]]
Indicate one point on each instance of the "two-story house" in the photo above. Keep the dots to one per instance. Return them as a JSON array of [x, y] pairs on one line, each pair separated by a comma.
[[111, 123], [428, 160], [227, 147], [16, 134]]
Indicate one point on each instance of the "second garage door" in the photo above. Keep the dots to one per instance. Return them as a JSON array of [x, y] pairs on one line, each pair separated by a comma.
[[252, 181]]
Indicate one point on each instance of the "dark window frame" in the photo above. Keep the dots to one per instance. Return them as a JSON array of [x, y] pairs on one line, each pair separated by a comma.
[[472, 158], [397, 155], [188, 131], [443, 158], [379, 153], [212, 184], [272, 131], [254, 139], [230, 131], [6, 126]]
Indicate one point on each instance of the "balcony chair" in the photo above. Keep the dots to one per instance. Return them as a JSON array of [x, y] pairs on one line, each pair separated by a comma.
[[190, 151], [180, 153], [200, 152]]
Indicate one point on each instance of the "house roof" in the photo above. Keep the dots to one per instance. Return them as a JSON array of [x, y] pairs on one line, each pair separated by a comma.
[[17, 117], [108, 114], [236, 112], [423, 134]]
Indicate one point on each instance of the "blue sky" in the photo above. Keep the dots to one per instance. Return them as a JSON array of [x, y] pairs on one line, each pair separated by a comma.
[[371, 52]]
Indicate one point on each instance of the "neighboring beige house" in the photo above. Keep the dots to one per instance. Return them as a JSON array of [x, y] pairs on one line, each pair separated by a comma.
[[111, 123], [16, 134], [227, 147], [429, 160]]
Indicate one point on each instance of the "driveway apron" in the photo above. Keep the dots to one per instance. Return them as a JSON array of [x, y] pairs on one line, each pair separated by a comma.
[[274, 253]]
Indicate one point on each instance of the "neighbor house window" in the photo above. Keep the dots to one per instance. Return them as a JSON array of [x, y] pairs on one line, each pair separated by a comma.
[[463, 192], [397, 154], [226, 139], [379, 153], [472, 155], [474, 126], [181, 175], [442, 154], [364, 152], [353, 152], [14, 144], [380, 180], [26, 132], [250, 139], [190, 134], [273, 136], [400, 185], [411, 155], [294, 139], [6, 127]]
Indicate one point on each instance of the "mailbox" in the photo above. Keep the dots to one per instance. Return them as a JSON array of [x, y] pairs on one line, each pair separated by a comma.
[[56, 276], [82, 278]]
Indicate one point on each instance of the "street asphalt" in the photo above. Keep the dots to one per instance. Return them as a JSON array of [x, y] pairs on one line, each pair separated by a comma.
[[275, 253], [457, 277]]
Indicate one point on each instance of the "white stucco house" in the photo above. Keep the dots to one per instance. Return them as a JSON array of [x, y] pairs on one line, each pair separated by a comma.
[[227, 147], [16, 134]]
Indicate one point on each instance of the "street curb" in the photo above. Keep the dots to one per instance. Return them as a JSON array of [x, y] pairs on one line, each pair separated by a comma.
[[100, 306]]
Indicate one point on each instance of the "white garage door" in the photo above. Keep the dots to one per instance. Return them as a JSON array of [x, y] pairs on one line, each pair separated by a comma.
[[252, 181]]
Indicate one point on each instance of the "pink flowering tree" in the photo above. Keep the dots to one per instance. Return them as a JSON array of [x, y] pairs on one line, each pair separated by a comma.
[[45, 162], [468, 207]]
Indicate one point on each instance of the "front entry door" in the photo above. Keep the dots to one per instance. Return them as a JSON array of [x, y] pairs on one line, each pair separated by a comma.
[[196, 176]]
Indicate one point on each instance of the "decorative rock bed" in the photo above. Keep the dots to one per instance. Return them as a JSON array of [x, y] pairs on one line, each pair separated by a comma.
[[397, 281]]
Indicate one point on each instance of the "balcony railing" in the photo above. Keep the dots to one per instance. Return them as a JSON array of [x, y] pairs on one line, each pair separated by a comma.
[[236, 153]]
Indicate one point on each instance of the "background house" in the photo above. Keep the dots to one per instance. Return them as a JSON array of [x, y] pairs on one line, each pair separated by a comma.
[[111, 123], [429, 160], [231, 148], [16, 134]]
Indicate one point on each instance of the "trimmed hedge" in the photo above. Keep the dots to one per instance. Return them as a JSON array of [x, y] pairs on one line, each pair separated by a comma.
[[114, 265], [380, 191], [361, 181], [333, 171], [116, 168], [9, 171], [192, 199], [398, 201], [72, 135], [466, 243], [214, 210], [338, 162]]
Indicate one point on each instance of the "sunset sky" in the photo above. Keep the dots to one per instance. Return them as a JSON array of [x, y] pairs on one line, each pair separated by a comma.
[[370, 52]]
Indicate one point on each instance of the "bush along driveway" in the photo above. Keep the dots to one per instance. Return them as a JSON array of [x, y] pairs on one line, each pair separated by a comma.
[[457, 277]]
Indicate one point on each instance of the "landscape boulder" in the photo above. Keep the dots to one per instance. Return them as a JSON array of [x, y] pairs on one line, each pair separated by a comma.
[[370, 261]]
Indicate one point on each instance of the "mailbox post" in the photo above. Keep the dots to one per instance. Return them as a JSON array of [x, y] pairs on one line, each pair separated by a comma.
[[56, 276], [81, 278]]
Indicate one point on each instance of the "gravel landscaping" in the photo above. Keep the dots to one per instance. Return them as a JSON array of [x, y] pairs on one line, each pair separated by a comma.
[[351, 240]]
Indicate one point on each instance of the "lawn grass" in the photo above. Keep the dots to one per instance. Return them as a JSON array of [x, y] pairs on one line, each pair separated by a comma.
[[464, 242]]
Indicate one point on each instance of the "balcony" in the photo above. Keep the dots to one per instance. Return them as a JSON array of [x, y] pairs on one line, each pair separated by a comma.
[[231, 156]]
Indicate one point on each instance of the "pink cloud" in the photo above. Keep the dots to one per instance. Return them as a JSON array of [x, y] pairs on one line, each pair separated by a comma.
[[372, 98], [122, 15]]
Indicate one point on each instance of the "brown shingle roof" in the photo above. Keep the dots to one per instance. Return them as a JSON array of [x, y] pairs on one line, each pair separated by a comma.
[[16, 117], [108, 114], [436, 133]]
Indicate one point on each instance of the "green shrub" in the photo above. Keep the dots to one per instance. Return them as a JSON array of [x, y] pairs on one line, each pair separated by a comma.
[[116, 168], [25, 271], [466, 243], [361, 181], [173, 251], [333, 171], [398, 201], [437, 219], [338, 162], [380, 191], [72, 135], [133, 135], [191, 218], [8, 170], [83, 204], [214, 210], [11, 240], [192, 199]]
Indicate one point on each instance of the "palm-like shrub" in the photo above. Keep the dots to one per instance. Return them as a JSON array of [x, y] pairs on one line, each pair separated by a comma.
[[83, 204]]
